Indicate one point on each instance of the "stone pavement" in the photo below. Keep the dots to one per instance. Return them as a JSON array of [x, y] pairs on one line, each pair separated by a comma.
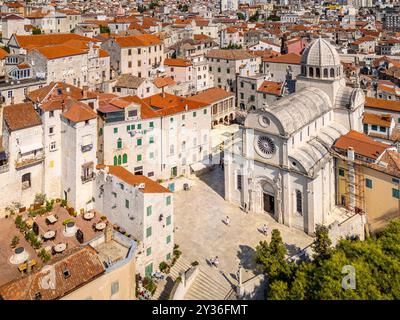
[[201, 234]]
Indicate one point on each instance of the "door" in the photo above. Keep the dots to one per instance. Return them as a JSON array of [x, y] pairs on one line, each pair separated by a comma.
[[148, 271], [269, 203], [171, 187], [174, 171]]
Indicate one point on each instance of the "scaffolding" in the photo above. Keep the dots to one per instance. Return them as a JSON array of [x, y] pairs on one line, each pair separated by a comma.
[[354, 197]]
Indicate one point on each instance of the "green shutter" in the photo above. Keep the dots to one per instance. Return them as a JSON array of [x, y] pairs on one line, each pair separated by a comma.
[[127, 204], [125, 158], [148, 251], [139, 157], [139, 126], [148, 232], [168, 200], [168, 220], [396, 193], [115, 130], [139, 142], [151, 140], [168, 239], [151, 124], [149, 210]]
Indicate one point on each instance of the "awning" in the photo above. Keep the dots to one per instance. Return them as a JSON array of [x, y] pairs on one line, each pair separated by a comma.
[[197, 166], [30, 147]]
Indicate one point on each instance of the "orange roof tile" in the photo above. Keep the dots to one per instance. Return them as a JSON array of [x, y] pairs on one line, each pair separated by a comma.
[[212, 95], [41, 40], [362, 144], [142, 40], [271, 87], [161, 82], [382, 104], [290, 58], [177, 63], [150, 186], [59, 51], [78, 111], [383, 120], [21, 116]]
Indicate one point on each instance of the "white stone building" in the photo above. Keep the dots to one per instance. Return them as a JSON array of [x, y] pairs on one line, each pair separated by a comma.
[[143, 208], [283, 166]]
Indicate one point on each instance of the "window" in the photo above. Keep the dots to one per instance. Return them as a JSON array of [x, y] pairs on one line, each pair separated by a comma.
[[396, 193], [239, 182], [205, 111], [129, 52], [299, 202], [115, 161], [171, 149], [168, 239], [119, 143], [374, 127], [139, 157], [151, 140], [151, 125], [148, 251], [114, 287], [51, 130], [341, 172], [119, 160], [51, 114], [382, 129], [168, 200], [168, 256], [139, 126], [151, 155], [53, 146], [115, 130], [148, 232], [194, 114], [127, 204], [124, 158], [139, 142], [171, 120], [395, 180], [149, 210], [26, 181], [368, 183], [168, 220], [132, 113]]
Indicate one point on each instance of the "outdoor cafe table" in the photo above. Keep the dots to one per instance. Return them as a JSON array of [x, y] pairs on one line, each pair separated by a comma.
[[49, 235], [88, 215], [51, 219], [60, 247], [100, 226]]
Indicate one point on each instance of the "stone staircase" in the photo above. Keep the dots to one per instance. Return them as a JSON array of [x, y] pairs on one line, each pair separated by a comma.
[[208, 285]]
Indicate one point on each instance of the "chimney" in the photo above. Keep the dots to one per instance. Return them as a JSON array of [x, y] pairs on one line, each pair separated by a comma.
[[108, 233], [67, 89], [350, 153]]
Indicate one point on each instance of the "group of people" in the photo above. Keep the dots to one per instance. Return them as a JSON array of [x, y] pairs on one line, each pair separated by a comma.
[[214, 261]]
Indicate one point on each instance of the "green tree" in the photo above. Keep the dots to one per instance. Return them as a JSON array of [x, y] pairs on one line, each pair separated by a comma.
[[104, 29], [255, 17], [274, 18], [278, 290], [241, 16], [322, 244], [36, 31]]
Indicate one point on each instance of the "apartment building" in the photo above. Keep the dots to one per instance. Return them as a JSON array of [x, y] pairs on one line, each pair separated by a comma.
[[225, 65], [247, 86], [160, 136], [366, 168], [139, 55], [282, 68], [143, 208], [85, 65]]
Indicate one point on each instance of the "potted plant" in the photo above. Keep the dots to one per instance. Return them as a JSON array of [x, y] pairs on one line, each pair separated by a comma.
[[14, 242]]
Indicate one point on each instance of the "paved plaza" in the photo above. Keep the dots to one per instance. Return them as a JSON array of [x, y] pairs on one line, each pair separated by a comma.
[[201, 233]]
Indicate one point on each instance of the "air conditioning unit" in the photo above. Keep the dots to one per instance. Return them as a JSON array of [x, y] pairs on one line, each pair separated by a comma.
[[141, 186]]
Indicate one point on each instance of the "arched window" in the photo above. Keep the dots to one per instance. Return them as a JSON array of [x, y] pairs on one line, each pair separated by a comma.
[[311, 72], [318, 73], [325, 73], [125, 158], [332, 72], [119, 143], [115, 160], [119, 160], [299, 202]]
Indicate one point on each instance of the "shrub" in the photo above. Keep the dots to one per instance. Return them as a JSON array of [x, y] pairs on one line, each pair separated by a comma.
[[44, 255], [14, 241], [63, 203], [163, 266], [195, 263], [65, 222], [40, 198], [176, 246], [148, 284], [177, 253], [103, 218]]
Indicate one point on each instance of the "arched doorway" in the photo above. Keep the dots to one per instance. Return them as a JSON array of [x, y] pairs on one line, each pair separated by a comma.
[[268, 198]]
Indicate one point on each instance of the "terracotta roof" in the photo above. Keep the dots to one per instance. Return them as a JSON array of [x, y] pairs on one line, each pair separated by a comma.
[[383, 120], [212, 95], [78, 111], [167, 104], [129, 81], [21, 116], [290, 58], [234, 54], [382, 104], [177, 63], [201, 37], [271, 87], [3, 53], [59, 51], [141, 40], [161, 82], [42, 40], [392, 159], [150, 186], [82, 264], [362, 144]]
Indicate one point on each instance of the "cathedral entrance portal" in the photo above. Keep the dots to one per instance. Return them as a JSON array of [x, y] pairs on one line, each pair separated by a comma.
[[269, 203]]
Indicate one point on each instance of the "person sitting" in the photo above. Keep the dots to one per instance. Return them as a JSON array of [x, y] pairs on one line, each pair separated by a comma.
[[216, 261], [227, 220]]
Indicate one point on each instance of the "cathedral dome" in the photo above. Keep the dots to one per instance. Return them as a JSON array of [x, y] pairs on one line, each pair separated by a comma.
[[320, 53], [321, 60]]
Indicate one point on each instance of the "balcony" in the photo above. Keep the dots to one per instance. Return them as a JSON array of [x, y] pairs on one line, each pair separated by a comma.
[[23, 162], [88, 177], [87, 147]]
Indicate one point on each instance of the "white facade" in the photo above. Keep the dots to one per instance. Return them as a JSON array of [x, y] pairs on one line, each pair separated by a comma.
[[283, 166]]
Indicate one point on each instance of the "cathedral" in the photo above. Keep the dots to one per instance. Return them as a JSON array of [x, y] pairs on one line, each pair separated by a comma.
[[283, 166]]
